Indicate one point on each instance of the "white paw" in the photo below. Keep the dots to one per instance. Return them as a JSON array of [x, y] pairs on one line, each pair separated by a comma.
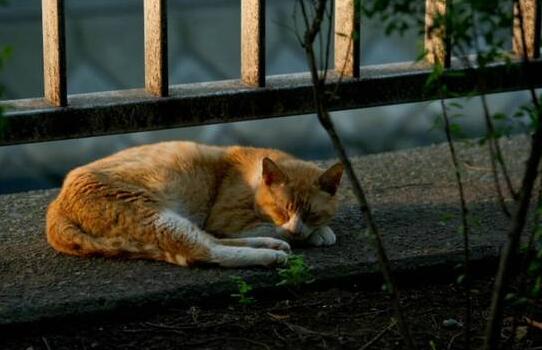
[[280, 258], [324, 236], [279, 244]]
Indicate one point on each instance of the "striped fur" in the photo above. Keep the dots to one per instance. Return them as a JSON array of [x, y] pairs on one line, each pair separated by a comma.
[[187, 203]]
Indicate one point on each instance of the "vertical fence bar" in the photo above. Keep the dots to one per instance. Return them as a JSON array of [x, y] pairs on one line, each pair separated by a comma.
[[156, 63], [530, 10], [437, 43], [347, 38], [54, 52], [253, 42]]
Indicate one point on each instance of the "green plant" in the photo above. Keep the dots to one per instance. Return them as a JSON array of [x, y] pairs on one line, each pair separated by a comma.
[[296, 273], [243, 291]]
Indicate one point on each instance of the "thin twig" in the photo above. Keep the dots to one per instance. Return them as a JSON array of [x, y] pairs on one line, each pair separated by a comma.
[[529, 178], [379, 335], [464, 223], [328, 46], [178, 328], [495, 153], [305, 331], [46, 343], [530, 251], [536, 219], [452, 340], [320, 100], [508, 254], [212, 340], [465, 227]]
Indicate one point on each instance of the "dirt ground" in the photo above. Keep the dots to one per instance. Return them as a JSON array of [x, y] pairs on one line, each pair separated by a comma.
[[346, 317]]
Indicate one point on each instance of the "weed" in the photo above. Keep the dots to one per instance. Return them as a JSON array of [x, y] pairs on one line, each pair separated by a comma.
[[296, 273], [243, 291]]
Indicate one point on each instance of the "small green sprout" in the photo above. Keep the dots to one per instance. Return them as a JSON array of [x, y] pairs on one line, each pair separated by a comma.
[[296, 273], [244, 290]]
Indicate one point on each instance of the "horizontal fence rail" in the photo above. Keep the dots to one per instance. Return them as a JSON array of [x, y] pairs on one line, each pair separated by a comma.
[[106, 113], [255, 96]]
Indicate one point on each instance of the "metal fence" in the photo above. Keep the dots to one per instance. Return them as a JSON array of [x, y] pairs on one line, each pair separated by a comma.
[[255, 95]]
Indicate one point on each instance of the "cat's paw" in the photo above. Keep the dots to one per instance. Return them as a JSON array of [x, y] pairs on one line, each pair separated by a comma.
[[280, 258], [324, 236], [279, 244]]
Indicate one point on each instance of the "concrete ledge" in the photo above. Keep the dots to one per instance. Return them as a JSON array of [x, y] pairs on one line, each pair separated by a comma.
[[412, 192]]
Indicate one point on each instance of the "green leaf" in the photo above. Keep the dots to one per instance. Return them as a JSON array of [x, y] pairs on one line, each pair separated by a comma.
[[296, 273], [455, 105], [422, 55], [243, 289], [456, 130], [500, 116], [438, 123]]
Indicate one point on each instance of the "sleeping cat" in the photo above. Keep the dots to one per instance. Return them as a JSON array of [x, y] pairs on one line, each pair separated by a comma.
[[187, 203]]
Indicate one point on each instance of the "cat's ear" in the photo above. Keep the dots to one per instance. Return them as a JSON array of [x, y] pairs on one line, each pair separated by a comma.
[[331, 178], [271, 173]]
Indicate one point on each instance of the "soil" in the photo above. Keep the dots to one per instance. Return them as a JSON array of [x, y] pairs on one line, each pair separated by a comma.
[[345, 316]]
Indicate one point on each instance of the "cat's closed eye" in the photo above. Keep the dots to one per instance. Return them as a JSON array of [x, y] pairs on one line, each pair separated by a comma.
[[315, 218], [282, 214]]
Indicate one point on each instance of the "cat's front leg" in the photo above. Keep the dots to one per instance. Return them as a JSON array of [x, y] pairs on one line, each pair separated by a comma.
[[265, 230], [323, 236]]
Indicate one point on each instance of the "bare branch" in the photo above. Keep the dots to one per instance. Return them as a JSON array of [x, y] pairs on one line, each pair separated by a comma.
[[465, 227], [321, 101], [531, 172]]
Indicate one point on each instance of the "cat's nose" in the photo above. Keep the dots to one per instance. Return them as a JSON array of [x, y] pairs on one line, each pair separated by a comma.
[[294, 225]]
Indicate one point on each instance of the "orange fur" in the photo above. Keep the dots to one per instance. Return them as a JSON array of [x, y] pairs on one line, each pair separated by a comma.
[[187, 203]]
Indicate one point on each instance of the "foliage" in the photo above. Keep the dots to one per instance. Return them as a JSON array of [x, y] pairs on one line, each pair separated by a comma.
[[243, 291], [463, 18], [296, 273], [481, 27]]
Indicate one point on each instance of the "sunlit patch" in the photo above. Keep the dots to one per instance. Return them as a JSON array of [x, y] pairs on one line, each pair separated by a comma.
[[181, 260], [297, 227]]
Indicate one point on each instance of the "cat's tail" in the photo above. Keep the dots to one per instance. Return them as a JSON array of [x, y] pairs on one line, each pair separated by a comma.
[[67, 237]]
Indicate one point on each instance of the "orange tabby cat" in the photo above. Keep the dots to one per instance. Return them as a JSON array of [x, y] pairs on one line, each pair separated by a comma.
[[187, 203]]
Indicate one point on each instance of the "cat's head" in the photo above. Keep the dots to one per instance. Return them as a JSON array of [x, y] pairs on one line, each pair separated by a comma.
[[297, 196]]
